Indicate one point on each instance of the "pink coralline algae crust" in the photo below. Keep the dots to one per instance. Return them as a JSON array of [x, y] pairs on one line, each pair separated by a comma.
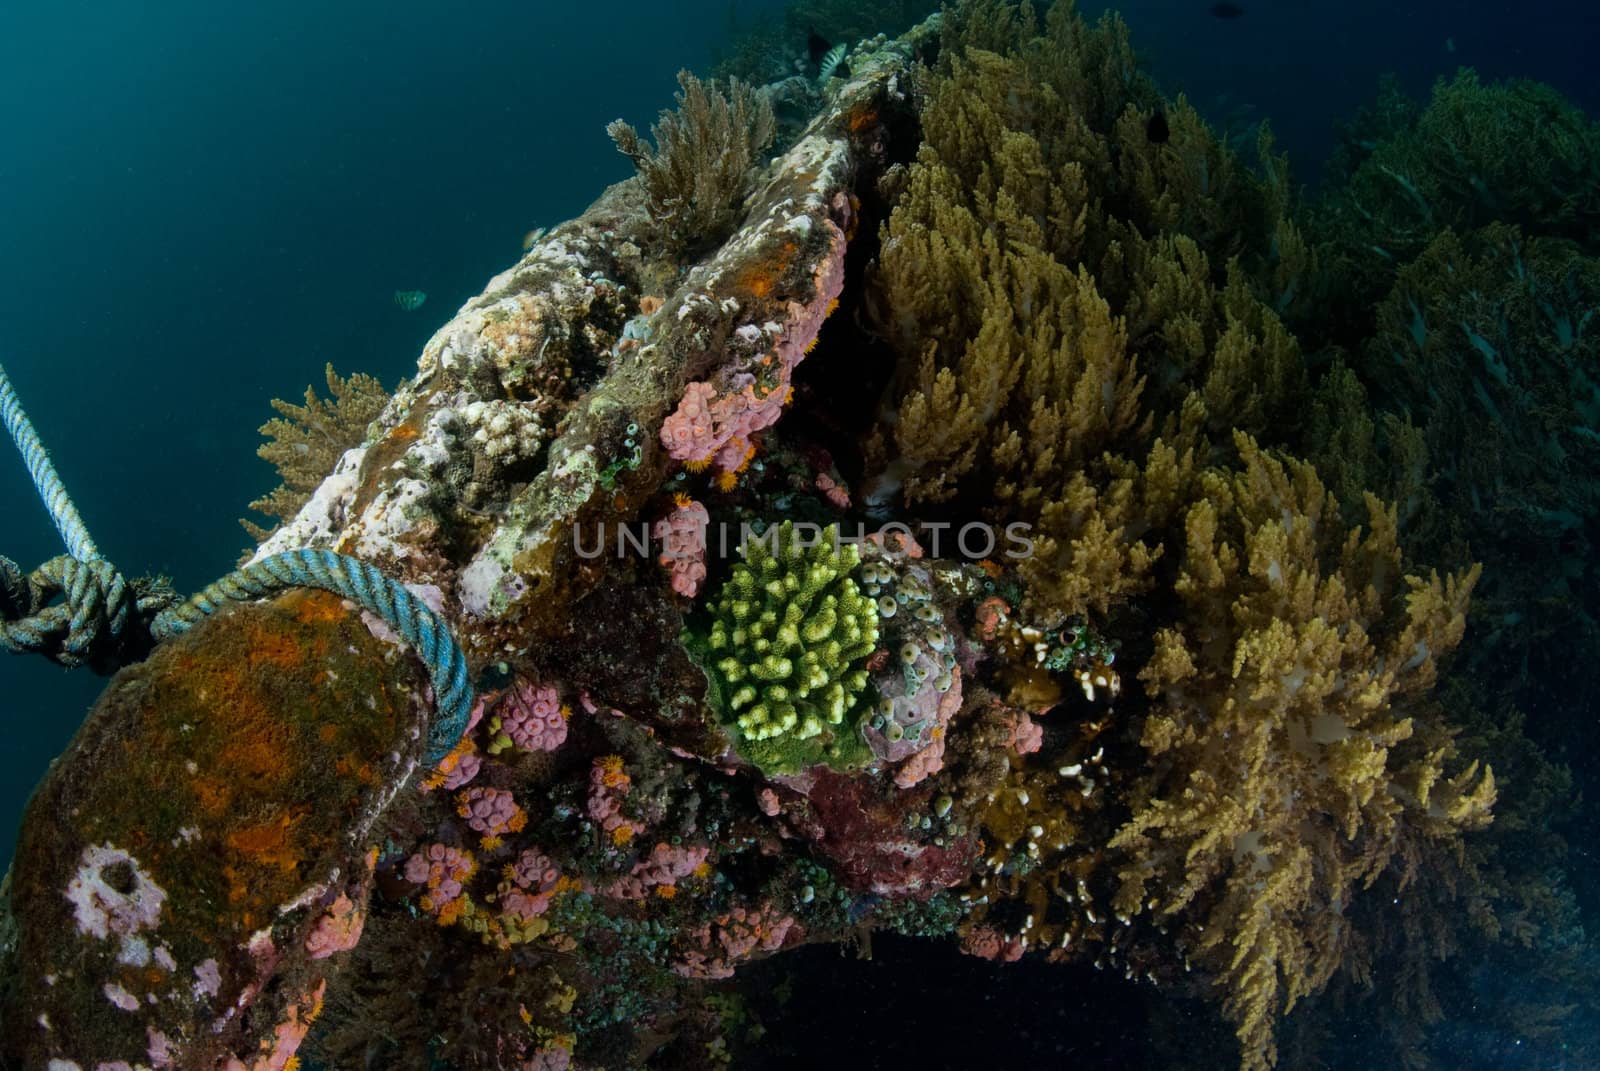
[[867, 835], [734, 938], [104, 910], [207, 979], [988, 943], [337, 931], [922, 765], [264, 952], [1027, 735], [715, 428], [162, 1051], [682, 535], [121, 997], [286, 1040], [551, 1058], [531, 716], [936, 708], [832, 491], [477, 714], [491, 811]]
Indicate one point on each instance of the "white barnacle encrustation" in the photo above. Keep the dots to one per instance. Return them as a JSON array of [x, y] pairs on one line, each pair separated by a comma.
[[111, 895], [508, 429]]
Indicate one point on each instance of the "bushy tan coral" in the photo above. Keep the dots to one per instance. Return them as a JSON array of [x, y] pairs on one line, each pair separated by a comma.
[[1098, 341], [1073, 294], [695, 175], [1286, 762], [1086, 304], [306, 441]]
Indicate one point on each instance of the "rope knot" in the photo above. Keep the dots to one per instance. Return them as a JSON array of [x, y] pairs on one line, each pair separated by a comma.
[[90, 626], [105, 621]]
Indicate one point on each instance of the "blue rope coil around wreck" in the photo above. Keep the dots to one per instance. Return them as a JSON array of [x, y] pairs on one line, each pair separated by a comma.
[[363, 584], [95, 623]]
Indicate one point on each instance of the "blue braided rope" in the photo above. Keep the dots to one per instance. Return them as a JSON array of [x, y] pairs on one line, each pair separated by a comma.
[[93, 620], [98, 603], [73, 531], [343, 575]]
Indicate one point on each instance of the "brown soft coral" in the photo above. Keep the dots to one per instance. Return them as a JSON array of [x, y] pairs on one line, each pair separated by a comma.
[[1061, 289], [696, 174], [1284, 764], [306, 441]]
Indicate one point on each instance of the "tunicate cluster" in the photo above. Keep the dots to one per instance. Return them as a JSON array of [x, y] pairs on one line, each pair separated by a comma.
[[918, 687], [633, 454]]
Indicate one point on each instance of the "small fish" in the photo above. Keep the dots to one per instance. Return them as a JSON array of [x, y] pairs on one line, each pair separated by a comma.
[[531, 239], [833, 63], [410, 300], [1157, 130], [817, 47], [1226, 10]]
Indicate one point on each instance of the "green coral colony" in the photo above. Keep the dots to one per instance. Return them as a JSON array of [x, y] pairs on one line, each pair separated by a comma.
[[790, 634]]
